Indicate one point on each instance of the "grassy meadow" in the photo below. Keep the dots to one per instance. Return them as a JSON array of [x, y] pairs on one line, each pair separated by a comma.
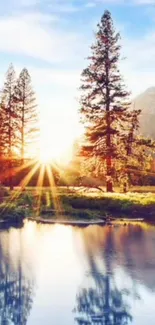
[[77, 203]]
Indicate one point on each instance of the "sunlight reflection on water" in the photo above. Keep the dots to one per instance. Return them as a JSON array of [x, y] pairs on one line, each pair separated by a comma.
[[67, 275]]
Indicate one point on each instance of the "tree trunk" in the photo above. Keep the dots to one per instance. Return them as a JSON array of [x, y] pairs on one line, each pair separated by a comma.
[[11, 183], [124, 187], [10, 175], [109, 184], [22, 133], [10, 151]]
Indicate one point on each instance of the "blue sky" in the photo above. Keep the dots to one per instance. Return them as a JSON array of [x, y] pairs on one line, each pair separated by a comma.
[[52, 39]]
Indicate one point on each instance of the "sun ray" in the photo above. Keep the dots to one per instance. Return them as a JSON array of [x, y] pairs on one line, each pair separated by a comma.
[[48, 199], [59, 170], [54, 193], [23, 183], [39, 188], [28, 177], [16, 170]]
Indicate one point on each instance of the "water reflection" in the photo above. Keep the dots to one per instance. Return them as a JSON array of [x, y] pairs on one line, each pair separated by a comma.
[[108, 251], [129, 248], [106, 274], [16, 288], [103, 304]]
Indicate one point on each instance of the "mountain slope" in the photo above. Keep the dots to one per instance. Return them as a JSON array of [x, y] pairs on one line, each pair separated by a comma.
[[146, 102]]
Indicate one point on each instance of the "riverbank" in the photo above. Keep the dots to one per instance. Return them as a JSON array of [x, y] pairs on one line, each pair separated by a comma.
[[72, 204], [83, 203]]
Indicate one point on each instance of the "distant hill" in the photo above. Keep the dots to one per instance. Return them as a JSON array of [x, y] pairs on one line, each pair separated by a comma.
[[146, 102]]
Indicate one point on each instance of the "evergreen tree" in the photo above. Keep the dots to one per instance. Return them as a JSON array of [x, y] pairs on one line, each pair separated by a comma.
[[104, 102], [9, 118], [2, 140], [136, 151], [2, 132], [27, 113]]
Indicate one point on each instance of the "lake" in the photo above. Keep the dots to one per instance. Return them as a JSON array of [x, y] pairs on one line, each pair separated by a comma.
[[62, 275]]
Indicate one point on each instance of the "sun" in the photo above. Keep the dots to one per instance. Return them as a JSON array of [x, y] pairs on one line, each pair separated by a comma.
[[45, 157], [55, 149], [57, 140]]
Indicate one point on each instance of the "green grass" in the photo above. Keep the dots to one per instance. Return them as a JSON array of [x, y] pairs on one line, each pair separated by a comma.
[[12, 212], [131, 204], [80, 203], [93, 203]]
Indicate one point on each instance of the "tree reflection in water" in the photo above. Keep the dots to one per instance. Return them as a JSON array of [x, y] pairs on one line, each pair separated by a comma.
[[16, 290], [102, 302]]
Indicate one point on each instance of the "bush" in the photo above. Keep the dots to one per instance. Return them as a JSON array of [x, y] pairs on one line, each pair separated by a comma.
[[12, 212], [3, 191], [25, 199]]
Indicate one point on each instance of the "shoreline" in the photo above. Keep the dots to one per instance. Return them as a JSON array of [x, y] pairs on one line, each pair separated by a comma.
[[77, 207], [67, 222], [81, 223]]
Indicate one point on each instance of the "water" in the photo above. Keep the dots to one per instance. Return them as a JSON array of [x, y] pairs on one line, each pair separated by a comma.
[[65, 275]]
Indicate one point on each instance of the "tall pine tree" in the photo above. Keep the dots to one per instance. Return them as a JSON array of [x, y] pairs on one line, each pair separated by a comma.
[[2, 133], [104, 102], [27, 112], [9, 118], [136, 151]]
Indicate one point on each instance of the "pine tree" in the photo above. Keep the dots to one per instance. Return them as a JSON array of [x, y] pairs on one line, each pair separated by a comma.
[[104, 102], [2, 132], [2, 140], [27, 113], [136, 151], [9, 119]]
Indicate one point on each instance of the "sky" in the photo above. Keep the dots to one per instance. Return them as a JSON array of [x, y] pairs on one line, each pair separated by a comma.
[[52, 38]]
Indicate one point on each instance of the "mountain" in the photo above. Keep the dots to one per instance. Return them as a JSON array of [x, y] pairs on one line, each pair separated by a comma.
[[146, 102]]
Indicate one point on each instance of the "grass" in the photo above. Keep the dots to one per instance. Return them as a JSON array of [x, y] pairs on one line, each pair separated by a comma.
[[80, 203], [14, 210], [11, 211], [130, 205]]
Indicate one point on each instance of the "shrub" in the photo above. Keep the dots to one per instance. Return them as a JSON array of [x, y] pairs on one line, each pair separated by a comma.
[[25, 199], [3, 191], [12, 212]]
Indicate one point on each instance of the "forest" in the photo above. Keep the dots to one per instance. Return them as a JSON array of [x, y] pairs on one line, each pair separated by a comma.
[[111, 152]]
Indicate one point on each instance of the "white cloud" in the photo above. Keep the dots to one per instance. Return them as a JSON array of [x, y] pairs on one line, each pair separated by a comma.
[[144, 2], [64, 7], [58, 77], [40, 37], [69, 6], [126, 2], [23, 3], [27, 3], [37, 39], [138, 68], [28, 41], [90, 5], [38, 17]]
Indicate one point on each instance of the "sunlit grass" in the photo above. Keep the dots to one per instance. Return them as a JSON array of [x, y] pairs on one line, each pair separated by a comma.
[[13, 197], [80, 202], [55, 197], [39, 187]]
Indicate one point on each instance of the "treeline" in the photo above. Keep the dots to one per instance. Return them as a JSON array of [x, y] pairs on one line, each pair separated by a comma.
[[112, 147], [80, 171], [111, 150], [18, 120]]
